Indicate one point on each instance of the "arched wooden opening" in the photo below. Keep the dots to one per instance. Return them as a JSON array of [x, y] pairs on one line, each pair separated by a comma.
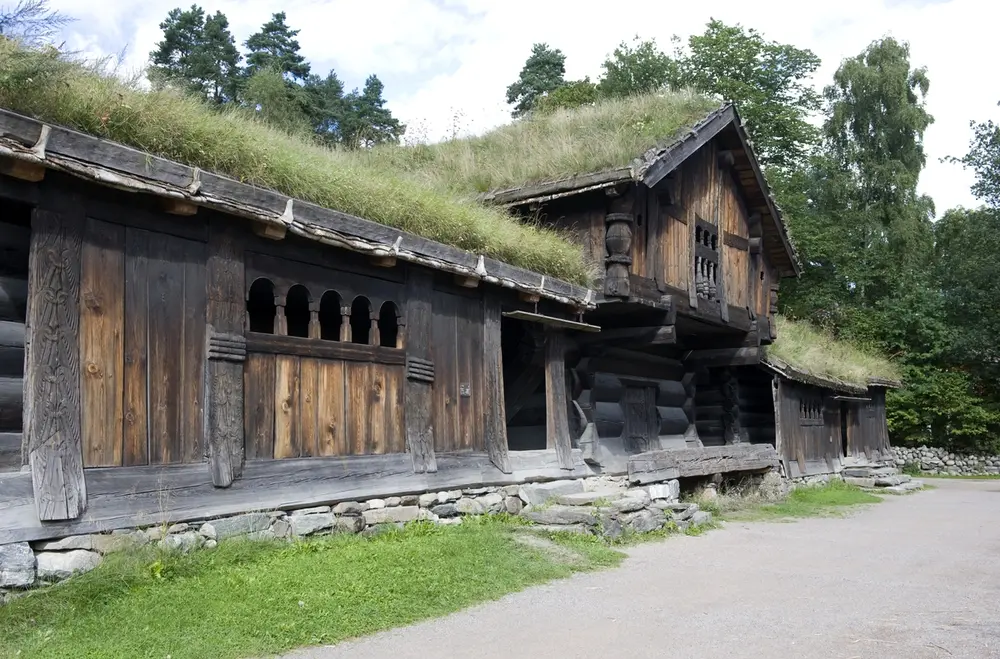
[[388, 325], [329, 316], [361, 321], [297, 311], [260, 306]]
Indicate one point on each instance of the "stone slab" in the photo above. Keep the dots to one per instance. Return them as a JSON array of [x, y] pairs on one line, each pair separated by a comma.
[[58, 565], [536, 494], [398, 514], [17, 565], [562, 515]]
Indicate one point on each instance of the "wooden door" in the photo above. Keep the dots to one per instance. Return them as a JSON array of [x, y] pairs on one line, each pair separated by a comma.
[[457, 351], [641, 421]]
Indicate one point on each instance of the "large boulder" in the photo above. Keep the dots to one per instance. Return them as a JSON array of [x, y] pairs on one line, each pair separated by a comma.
[[241, 525], [562, 515], [17, 565], [58, 565], [303, 525]]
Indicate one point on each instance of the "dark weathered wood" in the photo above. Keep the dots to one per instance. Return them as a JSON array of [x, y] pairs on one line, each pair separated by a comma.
[[303, 347], [224, 386], [495, 416], [13, 298], [523, 388], [158, 494], [640, 418], [554, 189], [732, 431], [745, 356], [556, 400], [736, 241], [135, 404], [418, 397], [258, 419], [102, 320], [55, 443], [652, 335], [11, 403], [657, 466], [22, 169]]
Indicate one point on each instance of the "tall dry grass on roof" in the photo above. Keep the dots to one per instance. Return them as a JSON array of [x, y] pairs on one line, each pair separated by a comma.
[[552, 146], [50, 87], [807, 348]]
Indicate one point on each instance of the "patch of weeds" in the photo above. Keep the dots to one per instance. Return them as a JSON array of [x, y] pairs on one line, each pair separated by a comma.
[[911, 469], [830, 499]]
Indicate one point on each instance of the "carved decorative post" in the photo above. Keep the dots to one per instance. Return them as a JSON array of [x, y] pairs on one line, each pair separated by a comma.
[[373, 334], [345, 324], [315, 331], [280, 322], [731, 426], [618, 244]]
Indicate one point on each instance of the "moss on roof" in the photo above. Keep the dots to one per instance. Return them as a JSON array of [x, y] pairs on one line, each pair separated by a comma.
[[815, 352], [547, 147], [49, 87]]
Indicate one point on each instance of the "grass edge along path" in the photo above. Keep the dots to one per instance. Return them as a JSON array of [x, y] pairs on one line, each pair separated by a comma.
[[831, 499], [253, 598]]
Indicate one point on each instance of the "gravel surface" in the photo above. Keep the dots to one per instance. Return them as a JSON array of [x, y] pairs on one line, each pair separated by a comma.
[[917, 576]]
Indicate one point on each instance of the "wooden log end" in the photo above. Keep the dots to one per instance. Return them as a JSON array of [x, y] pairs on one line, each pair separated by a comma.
[[21, 169], [270, 230], [466, 281], [181, 207], [530, 298], [383, 260]]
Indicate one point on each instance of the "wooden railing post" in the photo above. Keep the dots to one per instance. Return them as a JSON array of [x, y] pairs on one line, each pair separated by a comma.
[[345, 324], [226, 353], [556, 401], [54, 441]]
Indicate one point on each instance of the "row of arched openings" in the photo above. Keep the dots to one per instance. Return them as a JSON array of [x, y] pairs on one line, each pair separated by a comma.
[[332, 320]]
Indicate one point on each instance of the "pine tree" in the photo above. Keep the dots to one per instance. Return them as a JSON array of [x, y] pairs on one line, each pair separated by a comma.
[[367, 121], [543, 72], [197, 53], [275, 46]]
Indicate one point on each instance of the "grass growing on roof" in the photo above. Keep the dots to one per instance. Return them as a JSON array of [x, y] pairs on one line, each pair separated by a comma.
[[48, 86], [546, 147], [814, 351], [247, 598]]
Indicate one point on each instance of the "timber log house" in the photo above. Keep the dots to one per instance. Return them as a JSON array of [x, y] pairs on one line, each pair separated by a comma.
[[177, 345]]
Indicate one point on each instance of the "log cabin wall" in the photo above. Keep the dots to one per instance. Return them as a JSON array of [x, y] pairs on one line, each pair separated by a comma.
[[809, 428], [15, 231], [734, 405], [637, 402]]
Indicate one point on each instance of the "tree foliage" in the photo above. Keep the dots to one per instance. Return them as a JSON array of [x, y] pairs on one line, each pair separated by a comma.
[[637, 68], [542, 73], [984, 160], [199, 55], [31, 21], [572, 94]]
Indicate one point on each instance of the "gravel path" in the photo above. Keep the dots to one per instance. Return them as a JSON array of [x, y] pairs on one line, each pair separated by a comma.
[[917, 576]]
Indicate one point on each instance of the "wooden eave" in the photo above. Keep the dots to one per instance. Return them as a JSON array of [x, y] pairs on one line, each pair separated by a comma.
[[789, 372], [115, 165]]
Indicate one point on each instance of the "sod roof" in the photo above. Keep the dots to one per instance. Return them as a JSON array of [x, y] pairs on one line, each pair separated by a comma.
[[804, 353]]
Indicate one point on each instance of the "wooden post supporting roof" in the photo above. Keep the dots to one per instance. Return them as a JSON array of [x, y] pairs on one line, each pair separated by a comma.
[[495, 417], [226, 354], [419, 370], [556, 401], [54, 440]]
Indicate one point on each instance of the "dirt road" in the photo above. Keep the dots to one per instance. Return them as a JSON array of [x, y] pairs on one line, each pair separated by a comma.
[[914, 577]]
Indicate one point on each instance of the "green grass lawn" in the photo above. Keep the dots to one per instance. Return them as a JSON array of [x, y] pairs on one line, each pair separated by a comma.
[[253, 598], [833, 498]]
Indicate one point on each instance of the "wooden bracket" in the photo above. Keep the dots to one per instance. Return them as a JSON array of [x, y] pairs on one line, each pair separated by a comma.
[[270, 230], [383, 260], [467, 281], [530, 298], [175, 206], [22, 169]]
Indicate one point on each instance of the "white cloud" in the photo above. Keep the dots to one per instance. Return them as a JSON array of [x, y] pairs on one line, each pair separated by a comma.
[[450, 61]]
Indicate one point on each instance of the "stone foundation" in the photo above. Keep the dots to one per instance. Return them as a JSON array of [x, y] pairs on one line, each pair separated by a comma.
[[934, 460], [604, 506]]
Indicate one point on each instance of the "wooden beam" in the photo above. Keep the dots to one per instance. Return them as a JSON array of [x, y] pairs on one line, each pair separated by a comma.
[[467, 281], [55, 441], [226, 353], [695, 139], [654, 466], [530, 298], [22, 169], [495, 418], [552, 321], [744, 356], [175, 206], [556, 401], [383, 260], [270, 230], [419, 391], [653, 335]]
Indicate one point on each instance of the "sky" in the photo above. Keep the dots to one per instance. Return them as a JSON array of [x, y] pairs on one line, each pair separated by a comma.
[[446, 63]]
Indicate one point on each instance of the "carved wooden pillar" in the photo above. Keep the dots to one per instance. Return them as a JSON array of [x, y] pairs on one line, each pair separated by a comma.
[[731, 427], [495, 413], [556, 401], [419, 370], [618, 244], [315, 331], [280, 322], [374, 337], [400, 331], [226, 353], [54, 443], [345, 324]]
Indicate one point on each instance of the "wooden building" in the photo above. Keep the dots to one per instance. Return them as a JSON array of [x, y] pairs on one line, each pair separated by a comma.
[[175, 344]]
